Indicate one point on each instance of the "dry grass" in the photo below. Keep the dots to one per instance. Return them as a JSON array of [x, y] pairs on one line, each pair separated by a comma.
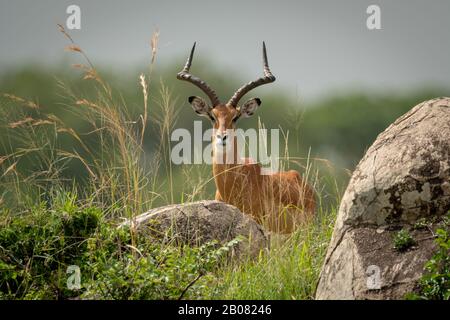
[[116, 174]]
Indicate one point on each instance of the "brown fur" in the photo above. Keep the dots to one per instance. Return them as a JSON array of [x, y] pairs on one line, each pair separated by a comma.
[[280, 201]]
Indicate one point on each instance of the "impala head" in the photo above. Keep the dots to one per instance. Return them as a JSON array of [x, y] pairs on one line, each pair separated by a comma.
[[224, 115]]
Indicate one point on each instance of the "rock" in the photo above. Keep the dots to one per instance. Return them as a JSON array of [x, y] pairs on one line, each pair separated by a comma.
[[404, 176], [197, 223]]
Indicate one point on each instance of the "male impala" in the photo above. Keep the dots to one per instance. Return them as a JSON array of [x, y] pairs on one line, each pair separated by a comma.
[[279, 201]]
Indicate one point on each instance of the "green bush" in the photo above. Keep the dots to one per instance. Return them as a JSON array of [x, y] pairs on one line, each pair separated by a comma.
[[403, 240], [36, 249], [435, 283]]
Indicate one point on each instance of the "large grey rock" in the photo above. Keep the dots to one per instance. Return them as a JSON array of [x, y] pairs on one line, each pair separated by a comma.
[[404, 176], [200, 222]]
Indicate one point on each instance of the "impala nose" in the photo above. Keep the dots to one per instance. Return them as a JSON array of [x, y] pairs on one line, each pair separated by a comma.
[[222, 139]]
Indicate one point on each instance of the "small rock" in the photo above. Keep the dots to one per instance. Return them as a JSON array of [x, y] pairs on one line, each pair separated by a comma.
[[197, 223]]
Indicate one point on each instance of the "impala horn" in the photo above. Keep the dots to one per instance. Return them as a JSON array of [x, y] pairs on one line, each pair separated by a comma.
[[268, 78], [186, 76]]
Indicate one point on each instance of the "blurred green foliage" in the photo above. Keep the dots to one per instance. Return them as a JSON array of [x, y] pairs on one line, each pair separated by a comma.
[[338, 127]]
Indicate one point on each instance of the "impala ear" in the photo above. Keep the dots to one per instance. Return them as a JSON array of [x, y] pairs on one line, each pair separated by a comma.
[[250, 107], [200, 106]]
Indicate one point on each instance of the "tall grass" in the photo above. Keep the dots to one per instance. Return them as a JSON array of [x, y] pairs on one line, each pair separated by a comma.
[[107, 143], [122, 179], [289, 271]]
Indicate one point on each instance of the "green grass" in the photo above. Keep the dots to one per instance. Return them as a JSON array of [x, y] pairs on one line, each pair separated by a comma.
[[37, 247], [403, 240], [289, 271]]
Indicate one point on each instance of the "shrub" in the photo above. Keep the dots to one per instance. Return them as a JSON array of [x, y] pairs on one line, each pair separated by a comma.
[[435, 282], [36, 249], [403, 240]]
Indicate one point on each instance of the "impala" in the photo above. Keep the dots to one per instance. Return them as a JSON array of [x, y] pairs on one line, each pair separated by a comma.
[[280, 201]]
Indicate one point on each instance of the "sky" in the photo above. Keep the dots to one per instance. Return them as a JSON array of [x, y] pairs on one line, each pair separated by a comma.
[[314, 47]]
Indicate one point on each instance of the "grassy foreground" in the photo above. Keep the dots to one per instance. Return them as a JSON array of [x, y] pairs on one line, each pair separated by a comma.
[[38, 246], [289, 271]]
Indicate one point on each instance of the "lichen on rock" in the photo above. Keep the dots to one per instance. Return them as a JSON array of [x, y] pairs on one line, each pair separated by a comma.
[[200, 222], [404, 176]]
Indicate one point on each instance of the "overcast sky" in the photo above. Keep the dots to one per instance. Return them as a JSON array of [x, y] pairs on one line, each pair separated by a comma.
[[315, 47]]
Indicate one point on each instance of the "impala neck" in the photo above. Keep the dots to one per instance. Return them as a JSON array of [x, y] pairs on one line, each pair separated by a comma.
[[225, 163]]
